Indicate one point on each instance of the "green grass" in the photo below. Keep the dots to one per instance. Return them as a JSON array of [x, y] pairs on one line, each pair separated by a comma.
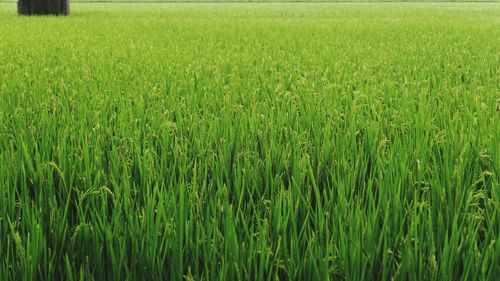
[[251, 141]]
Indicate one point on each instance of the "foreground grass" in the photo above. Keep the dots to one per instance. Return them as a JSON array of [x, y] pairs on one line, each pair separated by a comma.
[[258, 142]]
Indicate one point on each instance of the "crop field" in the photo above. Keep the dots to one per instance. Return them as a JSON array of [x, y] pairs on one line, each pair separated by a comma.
[[251, 142]]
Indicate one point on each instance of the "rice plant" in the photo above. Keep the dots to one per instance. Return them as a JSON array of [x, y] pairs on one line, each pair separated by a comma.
[[251, 142]]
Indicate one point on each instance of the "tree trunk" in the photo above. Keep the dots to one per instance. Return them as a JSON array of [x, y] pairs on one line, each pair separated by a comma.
[[43, 7]]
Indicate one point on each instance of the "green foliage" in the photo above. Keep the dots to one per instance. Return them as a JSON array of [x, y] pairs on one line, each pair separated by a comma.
[[251, 142]]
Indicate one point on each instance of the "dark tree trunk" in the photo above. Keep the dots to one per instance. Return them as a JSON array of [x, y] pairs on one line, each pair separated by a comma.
[[43, 7]]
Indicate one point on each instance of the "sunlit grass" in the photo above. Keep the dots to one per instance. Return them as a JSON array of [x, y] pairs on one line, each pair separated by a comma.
[[255, 141]]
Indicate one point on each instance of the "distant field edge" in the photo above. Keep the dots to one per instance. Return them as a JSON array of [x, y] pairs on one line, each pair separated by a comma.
[[265, 1]]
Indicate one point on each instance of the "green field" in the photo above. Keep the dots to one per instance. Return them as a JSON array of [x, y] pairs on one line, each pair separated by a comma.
[[251, 142]]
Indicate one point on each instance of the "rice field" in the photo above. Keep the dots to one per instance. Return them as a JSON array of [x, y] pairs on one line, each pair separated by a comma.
[[251, 142]]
